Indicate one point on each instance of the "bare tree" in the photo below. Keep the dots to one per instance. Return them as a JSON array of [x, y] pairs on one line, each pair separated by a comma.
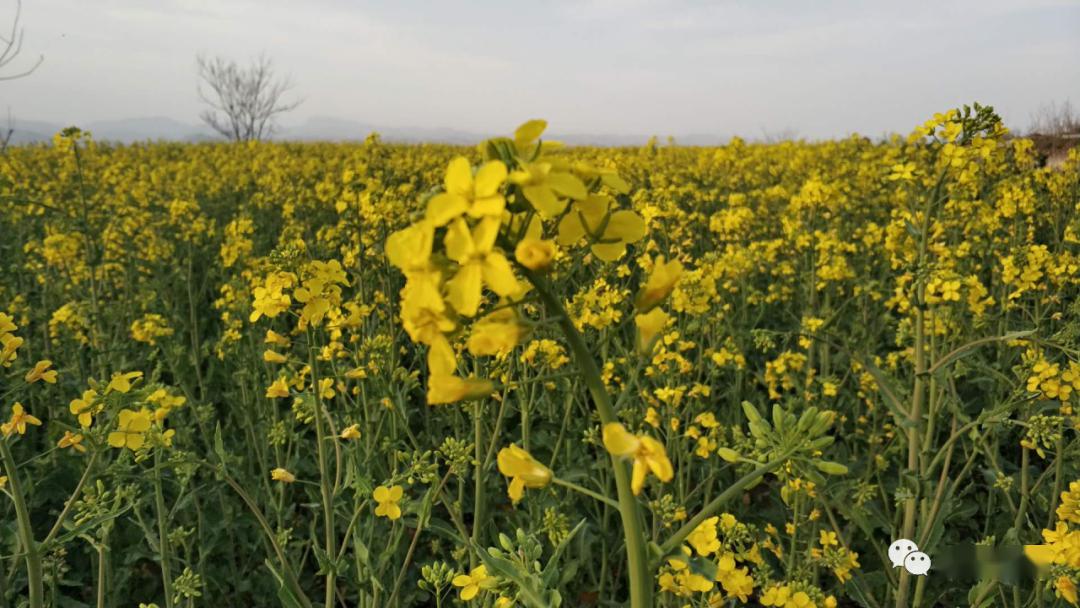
[[1054, 119], [11, 46], [244, 100]]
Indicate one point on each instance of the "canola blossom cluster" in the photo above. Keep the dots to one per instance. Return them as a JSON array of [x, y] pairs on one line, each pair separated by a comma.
[[524, 374]]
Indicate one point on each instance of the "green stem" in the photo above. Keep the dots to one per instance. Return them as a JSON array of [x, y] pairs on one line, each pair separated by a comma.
[[420, 523], [287, 571], [71, 500], [585, 491], [676, 539], [26, 533], [163, 532], [324, 476], [640, 575], [101, 575], [479, 498]]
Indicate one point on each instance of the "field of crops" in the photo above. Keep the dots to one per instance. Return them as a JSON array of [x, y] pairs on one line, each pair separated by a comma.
[[520, 374]]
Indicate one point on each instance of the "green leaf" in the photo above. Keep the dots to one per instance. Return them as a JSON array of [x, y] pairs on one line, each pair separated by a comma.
[[550, 572], [287, 598]]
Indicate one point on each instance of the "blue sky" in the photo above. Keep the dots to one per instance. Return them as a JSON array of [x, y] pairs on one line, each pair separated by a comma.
[[820, 69]]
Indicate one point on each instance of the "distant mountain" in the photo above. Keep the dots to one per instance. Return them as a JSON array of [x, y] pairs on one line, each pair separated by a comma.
[[30, 131], [328, 128], [316, 128], [151, 128], [124, 131]]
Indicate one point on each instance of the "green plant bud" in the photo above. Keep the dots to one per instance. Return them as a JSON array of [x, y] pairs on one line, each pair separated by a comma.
[[728, 454], [778, 418], [760, 430], [809, 416], [751, 412], [831, 468], [822, 423]]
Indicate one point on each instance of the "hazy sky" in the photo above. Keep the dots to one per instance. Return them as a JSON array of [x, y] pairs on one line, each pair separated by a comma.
[[822, 68]]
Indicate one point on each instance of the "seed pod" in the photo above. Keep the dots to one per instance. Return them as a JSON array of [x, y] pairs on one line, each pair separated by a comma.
[[822, 442]]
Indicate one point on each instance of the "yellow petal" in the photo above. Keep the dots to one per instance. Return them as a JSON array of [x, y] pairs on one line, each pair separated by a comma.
[[530, 131], [649, 326], [485, 233], [637, 477], [568, 185], [410, 248], [445, 207], [489, 178], [459, 179], [543, 199], [657, 459], [117, 439], [462, 580], [620, 441], [1040, 555], [626, 226], [499, 275], [459, 241], [135, 441], [441, 359], [571, 229], [517, 489], [609, 252], [488, 206], [465, 289]]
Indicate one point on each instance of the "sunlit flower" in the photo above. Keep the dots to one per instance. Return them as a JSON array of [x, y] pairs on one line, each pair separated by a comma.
[[282, 475], [648, 454], [131, 429], [18, 421], [72, 440], [387, 501], [472, 583], [41, 371], [523, 470]]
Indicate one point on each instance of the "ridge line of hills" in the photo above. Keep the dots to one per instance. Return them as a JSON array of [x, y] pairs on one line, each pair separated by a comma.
[[317, 128]]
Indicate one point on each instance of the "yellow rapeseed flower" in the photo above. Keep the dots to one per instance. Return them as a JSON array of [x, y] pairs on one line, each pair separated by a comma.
[[131, 429], [387, 501], [84, 407], [649, 454], [479, 264], [18, 421], [472, 583], [72, 440], [523, 470], [41, 371], [659, 285], [121, 382], [282, 475], [608, 232], [465, 194]]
